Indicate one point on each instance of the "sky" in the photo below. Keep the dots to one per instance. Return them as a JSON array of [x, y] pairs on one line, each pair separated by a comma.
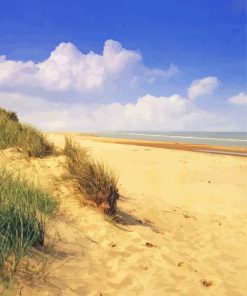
[[125, 65]]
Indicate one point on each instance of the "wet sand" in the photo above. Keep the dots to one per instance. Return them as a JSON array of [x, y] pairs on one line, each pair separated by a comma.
[[227, 150]]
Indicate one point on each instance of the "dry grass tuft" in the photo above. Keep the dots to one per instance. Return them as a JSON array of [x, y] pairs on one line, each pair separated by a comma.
[[95, 180], [15, 134]]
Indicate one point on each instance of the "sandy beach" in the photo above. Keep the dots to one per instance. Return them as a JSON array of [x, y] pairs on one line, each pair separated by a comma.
[[184, 230], [123, 148]]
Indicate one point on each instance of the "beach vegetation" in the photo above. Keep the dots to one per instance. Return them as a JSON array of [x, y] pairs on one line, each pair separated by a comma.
[[95, 180], [15, 134], [25, 213]]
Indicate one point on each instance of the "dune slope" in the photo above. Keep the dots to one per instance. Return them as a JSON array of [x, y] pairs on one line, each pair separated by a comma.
[[185, 217]]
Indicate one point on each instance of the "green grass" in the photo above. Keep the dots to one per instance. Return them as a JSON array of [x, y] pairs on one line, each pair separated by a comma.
[[25, 213], [95, 180], [15, 134]]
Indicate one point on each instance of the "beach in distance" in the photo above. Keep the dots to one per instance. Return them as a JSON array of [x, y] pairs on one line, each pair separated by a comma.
[[232, 139], [182, 227], [185, 219], [231, 143]]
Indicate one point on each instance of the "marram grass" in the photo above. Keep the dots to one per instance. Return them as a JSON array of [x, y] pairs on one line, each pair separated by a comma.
[[25, 213], [95, 180], [15, 134]]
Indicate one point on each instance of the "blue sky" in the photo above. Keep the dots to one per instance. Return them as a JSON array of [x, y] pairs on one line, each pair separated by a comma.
[[161, 49]]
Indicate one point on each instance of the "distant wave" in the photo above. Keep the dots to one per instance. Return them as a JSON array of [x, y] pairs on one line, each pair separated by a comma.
[[185, 137]]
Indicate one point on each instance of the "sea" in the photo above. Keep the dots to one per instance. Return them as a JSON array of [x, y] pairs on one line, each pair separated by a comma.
[[235, 139]]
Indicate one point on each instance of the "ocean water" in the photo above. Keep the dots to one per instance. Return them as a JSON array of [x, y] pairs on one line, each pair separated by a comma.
[[237, 139]]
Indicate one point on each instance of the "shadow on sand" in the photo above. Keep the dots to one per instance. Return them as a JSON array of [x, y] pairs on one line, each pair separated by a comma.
[[124, 218]]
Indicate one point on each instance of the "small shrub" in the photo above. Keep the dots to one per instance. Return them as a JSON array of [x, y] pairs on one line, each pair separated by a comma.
[[95, 180]]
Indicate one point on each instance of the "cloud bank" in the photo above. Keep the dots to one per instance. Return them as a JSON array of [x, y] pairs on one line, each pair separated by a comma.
[[69, 70], [149, 113], [71, 90]]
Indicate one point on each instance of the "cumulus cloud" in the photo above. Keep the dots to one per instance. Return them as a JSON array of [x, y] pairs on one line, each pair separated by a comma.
[[146, 113], [68, 69], [240, 99], [202, 87], [71, 90]]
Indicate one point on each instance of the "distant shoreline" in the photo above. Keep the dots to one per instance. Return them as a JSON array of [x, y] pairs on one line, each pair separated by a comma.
[[224, 150], [203, 148]]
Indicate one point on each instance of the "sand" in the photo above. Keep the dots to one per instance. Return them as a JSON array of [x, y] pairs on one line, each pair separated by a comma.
[[186, 215]]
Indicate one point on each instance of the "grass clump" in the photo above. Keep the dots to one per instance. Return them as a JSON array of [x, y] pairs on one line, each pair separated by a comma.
[[13, 133], [34, 142], [25, 212], [95, 180]]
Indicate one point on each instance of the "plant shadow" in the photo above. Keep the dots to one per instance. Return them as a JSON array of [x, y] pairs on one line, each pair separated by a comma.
[[124, 218]]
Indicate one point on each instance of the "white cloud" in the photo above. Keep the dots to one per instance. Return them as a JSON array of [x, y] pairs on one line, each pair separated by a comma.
[[147, 113], [202, 87], [68, 69], [240, 99], [75, 91]]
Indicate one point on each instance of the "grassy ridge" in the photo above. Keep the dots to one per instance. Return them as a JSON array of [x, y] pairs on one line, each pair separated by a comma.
[[13, 133], [24, 215], [25, 210], [96, 181]]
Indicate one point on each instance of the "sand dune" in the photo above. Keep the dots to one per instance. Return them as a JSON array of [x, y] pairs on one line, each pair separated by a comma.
[[185, 232]]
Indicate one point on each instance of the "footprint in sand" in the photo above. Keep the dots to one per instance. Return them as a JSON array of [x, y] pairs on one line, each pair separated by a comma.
[[206, 283], [150, 245], [181, 263], [187, 216]]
